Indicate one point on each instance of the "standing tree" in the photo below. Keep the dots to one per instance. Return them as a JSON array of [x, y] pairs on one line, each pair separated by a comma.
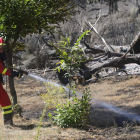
[[71, 57], [113, 6], [21, 17]]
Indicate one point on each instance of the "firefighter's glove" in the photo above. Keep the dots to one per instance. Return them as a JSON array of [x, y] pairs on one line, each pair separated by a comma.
[[17, 74]]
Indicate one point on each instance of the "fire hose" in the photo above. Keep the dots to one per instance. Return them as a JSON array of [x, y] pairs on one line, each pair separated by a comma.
[[24, 72]]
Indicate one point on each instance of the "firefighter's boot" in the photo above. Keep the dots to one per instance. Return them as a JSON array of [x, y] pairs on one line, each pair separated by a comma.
[[8, 119]]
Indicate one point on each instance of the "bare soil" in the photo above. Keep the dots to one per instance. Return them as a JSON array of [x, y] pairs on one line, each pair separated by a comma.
[[105, 124]]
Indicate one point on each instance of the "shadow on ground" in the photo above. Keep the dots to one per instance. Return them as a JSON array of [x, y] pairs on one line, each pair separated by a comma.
[[102, 117], [30, 126], [25, 127]]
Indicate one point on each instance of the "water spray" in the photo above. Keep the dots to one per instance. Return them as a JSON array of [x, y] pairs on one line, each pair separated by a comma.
[[118, 110], [100, 103], [38, 78], [45, 80]]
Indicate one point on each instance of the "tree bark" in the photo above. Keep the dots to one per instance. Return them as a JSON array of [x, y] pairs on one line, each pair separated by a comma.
[[11, 80]]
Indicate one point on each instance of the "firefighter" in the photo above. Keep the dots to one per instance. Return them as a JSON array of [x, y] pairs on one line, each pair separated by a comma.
[[4, 98]]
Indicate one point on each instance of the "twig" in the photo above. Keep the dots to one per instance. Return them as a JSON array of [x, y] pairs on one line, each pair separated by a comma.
[[42, 47], [98, 18], [132, 44], [94, 29]]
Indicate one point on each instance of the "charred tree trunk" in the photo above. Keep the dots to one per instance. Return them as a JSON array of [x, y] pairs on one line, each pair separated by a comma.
[[113, 6]]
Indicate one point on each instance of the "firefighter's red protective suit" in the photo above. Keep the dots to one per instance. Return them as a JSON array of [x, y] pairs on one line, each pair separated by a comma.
[[4, 98]]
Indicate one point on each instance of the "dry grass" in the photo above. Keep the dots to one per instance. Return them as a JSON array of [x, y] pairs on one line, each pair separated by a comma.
[[124, 94]]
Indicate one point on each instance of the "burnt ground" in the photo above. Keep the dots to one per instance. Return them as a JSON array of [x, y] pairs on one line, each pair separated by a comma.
[[104, 122]]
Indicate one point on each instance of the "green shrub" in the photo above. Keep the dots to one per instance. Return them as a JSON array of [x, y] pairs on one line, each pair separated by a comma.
[[75, 113], [71, 57]]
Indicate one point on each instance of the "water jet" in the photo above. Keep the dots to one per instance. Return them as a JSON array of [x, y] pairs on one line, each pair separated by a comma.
[[97, 102]]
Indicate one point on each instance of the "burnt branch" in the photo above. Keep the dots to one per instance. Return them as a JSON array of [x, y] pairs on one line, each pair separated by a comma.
[[116, 62]]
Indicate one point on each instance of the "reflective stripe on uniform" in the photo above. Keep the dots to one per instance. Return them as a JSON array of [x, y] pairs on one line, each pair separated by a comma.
[[4, 71], [7, 112], [7, 107]]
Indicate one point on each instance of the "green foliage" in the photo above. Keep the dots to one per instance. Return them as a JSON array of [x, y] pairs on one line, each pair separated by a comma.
[[21, 17], [71, 56], [53, 95], [74, 113]]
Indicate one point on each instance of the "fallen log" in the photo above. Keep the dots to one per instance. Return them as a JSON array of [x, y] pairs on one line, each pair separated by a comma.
[[115, 62]]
